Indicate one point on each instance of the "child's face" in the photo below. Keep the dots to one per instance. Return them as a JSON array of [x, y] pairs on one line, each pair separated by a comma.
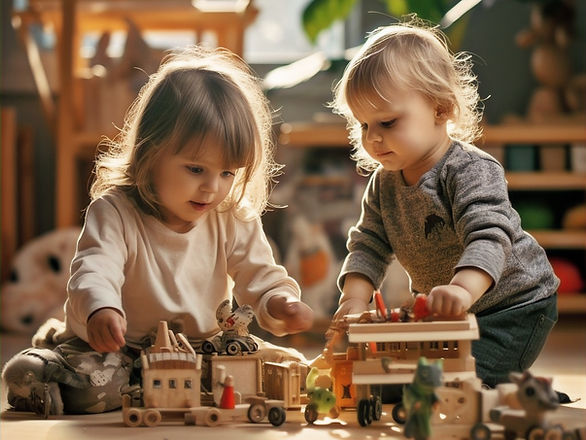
[[187, 188], [404, 133]]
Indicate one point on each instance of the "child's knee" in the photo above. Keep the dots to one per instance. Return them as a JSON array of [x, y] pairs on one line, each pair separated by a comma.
[[107, 374]]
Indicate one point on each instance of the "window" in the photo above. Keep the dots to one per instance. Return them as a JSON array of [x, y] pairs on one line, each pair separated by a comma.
[[172, 384], [187, 384], [277, 37], [156, 383]]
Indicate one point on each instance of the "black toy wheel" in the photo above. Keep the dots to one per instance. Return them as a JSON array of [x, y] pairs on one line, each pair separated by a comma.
[[399, 414], [364, 412], [310, 413], [277, 416], [233, 348], [377, 408], [480, 432], [207, 347]]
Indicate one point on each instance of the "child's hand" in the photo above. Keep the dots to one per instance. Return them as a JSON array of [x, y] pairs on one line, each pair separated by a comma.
[[106, 329], [450, 301], [350, 306], [297, 316]]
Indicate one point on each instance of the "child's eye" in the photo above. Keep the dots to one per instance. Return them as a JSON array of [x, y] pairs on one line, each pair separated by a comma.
[[228, 173], [388, 124], [194, 169]]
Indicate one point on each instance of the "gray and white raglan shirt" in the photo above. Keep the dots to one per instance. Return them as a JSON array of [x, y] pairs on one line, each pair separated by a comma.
[[457, 215]]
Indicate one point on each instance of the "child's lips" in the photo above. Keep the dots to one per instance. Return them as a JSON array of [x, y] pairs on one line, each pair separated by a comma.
[[198, 205], [384, 154]]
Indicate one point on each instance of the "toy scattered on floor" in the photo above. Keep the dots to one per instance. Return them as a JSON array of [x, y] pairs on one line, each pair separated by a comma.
[[171, 377], [420, 399], [322, 399], [536, 397], [34, 382], [234, 338], [36, 290]]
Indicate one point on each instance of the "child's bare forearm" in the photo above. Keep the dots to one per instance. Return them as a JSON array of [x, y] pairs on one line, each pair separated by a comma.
[[474, 280], [356, 286]]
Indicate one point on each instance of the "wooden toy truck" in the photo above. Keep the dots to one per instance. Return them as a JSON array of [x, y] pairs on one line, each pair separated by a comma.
[[171, 376], [381, 353]]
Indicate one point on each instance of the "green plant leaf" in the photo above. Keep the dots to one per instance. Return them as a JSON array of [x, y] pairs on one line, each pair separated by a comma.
[[397, 8], [320, 14]]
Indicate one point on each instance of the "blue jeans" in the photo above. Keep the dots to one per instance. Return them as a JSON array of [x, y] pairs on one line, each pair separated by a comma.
[[512, 338]]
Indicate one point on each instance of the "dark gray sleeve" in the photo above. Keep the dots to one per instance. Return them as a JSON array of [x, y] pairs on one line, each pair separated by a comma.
[[369, 250], [483, 217]]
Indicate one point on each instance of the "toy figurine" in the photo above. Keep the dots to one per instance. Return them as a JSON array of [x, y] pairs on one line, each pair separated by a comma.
[[227, 401], [34, 381], [322, 399], [536, 397], [235, 338], [419, 399]]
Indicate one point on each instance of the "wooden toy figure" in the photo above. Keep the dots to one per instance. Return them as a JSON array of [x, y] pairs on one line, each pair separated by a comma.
[[228, 401], [419, 399]]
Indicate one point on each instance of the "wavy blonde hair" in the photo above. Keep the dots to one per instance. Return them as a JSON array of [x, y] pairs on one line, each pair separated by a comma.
[[197, 94], [414, 57]]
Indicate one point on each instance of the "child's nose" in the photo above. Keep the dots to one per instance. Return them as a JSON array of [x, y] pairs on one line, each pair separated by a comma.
[[372, 135], [211, 184]]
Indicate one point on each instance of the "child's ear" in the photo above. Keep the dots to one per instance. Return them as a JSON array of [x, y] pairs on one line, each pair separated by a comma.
[[443, 112]]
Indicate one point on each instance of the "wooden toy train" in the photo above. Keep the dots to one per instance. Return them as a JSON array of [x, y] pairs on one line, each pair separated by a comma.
[[383, 349]]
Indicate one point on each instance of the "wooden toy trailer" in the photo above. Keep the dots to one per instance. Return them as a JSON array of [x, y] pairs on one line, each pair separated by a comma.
[[286, 382]]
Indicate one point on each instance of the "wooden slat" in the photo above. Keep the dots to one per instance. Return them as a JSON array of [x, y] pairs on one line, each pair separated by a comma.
[[9, 189]]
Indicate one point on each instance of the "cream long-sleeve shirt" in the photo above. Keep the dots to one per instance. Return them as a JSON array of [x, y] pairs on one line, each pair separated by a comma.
[[130, 261]]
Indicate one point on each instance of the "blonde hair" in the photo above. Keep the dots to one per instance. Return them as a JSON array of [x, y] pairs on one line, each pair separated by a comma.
[[197, 94], [415, 57]]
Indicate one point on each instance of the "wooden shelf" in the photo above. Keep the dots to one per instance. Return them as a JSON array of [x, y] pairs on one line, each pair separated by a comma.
[[549, 181], [567, 130], [572, 303], [560, 239]]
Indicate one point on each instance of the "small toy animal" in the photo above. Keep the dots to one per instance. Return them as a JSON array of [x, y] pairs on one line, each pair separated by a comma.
[[237, 320], [536, 397], [34, 380], [419, 399], [322, 399]]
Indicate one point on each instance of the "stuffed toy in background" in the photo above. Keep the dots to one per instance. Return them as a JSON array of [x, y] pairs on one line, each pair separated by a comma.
[[36, 289], [311, 261]]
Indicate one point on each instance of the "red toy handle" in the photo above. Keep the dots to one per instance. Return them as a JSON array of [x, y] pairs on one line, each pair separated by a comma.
[[380, 305], [420, 310]]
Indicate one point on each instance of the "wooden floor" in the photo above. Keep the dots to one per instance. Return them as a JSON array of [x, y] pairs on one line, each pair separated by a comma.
[[563, 359]]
